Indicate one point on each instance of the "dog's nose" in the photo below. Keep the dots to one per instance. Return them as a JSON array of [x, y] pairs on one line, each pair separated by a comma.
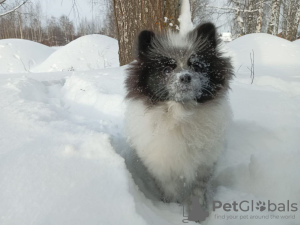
[[185, 78]]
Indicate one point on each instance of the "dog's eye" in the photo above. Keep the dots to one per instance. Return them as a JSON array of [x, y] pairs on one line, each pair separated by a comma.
[[167, 70], [197, 68]]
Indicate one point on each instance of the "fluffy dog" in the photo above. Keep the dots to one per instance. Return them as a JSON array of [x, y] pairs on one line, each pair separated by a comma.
[[177, 108]]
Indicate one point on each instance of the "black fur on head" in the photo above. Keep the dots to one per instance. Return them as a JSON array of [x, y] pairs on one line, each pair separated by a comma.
[[171, 67]]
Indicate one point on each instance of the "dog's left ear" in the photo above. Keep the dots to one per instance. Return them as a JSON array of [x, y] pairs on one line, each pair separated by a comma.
[[207, 31], [144, 42]]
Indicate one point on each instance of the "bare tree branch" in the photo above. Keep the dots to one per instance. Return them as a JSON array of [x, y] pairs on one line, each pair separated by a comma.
[[14, 9], [232, 9], [252, 66]]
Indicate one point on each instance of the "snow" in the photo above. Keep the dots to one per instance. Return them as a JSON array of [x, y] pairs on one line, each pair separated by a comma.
[[297, 42], [273, 56], [185, 18], [226, 37], [62, 141], [85, 53], [17, 56]]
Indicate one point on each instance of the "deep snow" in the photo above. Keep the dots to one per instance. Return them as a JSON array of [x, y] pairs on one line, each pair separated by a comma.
[[61, 138], [21, 55], [297, 42], [85, 53]]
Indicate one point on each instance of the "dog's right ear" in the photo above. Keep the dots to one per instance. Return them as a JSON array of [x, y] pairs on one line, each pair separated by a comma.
[[207, 31], [144, 41]]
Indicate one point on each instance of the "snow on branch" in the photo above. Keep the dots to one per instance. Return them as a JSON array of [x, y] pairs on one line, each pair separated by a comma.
[[233, 9], [14, 9]]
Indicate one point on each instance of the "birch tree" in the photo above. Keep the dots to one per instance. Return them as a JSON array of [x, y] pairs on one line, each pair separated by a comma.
[[291, 16], [259, 19], [274, 20], [245, 16], [296, 22], [251, 16]]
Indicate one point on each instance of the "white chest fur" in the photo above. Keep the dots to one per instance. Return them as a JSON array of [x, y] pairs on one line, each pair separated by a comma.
[[175, 140]]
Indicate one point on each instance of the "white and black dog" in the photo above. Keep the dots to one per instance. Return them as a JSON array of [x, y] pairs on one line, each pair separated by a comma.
[[177, 108]]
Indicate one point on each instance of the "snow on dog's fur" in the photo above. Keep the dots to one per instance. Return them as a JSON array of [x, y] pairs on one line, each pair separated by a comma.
[[177, 108]]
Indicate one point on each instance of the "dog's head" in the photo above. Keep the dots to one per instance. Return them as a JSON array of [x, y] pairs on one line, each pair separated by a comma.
[[171, 67]]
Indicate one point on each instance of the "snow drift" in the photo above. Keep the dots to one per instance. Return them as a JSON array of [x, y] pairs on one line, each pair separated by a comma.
[[85, 53], [297, 42], [62, 138], [18, 56], [272, 55]]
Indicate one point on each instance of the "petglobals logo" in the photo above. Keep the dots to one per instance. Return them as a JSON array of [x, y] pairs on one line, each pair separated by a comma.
[[243, 210], [251, 206]]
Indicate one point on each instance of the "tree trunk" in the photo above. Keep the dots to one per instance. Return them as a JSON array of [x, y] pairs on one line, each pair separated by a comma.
[[291, 20], [238, 18], [20, 25], [296, 22], [171, 12], [277, 18], [132, 16], [252, 16], [284, 20], [274, 20], [260, 16]]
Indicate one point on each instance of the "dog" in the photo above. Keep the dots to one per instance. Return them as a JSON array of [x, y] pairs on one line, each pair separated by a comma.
[[177, 108]]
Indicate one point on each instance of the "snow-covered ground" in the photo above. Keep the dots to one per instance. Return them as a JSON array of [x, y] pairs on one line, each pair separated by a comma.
[[61, 136], [297, 42], [21, 55], [85, 53]]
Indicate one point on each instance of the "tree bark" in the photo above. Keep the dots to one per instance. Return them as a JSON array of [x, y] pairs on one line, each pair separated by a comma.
[[260, 16], [251, 17], [296, 22], [20, 26], [292, 25], [133, 16], [284, 20], [274, 20], [238, 18]]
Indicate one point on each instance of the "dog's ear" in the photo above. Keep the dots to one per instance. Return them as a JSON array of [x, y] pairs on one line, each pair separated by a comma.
[[144, 42], [207, 31]]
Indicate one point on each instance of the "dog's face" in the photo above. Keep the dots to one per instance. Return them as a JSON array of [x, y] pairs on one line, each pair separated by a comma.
[[175, 68]]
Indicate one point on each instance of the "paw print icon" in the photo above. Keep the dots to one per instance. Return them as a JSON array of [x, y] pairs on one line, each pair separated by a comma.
[[261, 206]]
